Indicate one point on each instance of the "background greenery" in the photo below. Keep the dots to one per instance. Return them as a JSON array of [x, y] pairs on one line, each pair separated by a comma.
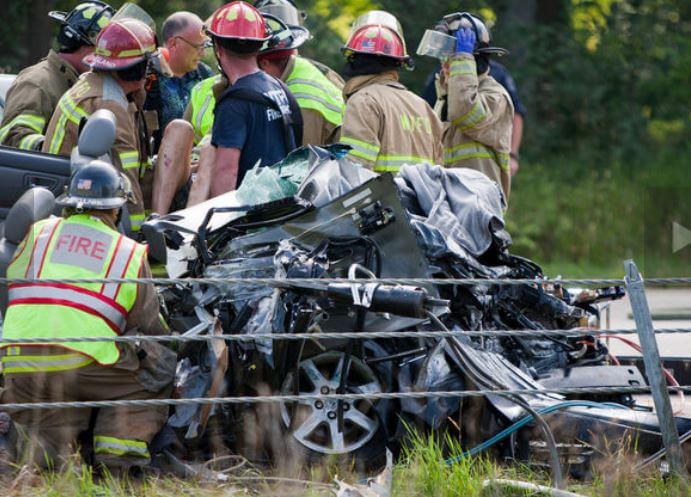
[[607, 84]]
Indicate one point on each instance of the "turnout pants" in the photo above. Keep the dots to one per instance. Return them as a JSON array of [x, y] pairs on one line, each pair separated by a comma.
[[120, 434]]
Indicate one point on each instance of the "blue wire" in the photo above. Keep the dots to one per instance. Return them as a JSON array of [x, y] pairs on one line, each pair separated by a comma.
[[524, 421]]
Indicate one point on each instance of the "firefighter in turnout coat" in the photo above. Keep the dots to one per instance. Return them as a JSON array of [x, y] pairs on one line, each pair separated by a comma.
[[85, 245]]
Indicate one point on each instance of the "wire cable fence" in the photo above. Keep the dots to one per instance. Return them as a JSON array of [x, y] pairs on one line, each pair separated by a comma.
[[287, 282], [351, 397], [345, 335], [206, 331]]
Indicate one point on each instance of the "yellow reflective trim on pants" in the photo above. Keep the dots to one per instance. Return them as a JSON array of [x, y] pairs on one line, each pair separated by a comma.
[[462, 67], [136, 221], [129, 159], [472, 118], [393, 163], [120, 447], [35, 123], [43, 363], [30, 142], [361, 148]]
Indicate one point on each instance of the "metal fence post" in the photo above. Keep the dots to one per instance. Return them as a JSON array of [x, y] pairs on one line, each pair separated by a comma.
[[653, 368]]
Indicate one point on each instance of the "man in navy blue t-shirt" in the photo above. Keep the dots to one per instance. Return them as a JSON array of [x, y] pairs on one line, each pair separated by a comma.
[[256, 120], [256, 129]]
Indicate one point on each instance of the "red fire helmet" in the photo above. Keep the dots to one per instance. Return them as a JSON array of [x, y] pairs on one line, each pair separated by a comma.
[[238, 21], [376, 40], [122, 44]]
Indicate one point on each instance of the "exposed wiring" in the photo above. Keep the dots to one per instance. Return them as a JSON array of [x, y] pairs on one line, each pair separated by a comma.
[[672, 380], [524, 421], [488, 382]]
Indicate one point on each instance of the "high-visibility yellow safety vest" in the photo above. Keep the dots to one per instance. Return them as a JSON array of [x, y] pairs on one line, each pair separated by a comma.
[[310, 87], [313, 90], [78, 247], [203, 104]]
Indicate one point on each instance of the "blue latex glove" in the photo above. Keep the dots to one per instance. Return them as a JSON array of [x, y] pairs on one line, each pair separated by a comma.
[[465, 40]]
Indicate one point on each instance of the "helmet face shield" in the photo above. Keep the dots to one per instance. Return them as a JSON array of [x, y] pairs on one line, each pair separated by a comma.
[[286, 13], [378, 18], [436, 44], [132, 11]]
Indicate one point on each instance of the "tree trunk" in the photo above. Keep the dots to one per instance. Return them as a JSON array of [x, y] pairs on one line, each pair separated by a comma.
[[39, 30]]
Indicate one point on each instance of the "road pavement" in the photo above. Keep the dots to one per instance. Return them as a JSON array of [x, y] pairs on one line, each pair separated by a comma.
[[663, 303]]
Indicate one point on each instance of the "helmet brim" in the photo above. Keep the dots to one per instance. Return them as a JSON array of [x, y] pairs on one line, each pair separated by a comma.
[[237, 38], [349, 52], [497, 51], [95, 61], [299, 36], [66, 200]]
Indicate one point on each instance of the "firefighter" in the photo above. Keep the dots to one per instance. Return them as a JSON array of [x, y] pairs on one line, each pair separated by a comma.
[[257, 120], [200, 111], [320, 100], [386, 125], [115, 82], [34, 95], [84, 245], [480, 113]]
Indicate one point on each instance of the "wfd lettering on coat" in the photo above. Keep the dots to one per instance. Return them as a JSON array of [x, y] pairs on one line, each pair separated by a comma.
[[83, 247], [416, 124]]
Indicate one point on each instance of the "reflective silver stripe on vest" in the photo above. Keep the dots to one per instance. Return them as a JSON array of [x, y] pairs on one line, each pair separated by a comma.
[[40, 247], [44, 364], [80, 298], [314, 84], [201, 112], [119, 263], [324, 102]]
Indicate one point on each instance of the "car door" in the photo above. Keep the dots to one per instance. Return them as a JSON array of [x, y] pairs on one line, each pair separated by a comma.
[[21, 170]]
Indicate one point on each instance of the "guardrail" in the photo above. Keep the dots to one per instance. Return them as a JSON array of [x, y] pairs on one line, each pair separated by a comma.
[[633, 281]]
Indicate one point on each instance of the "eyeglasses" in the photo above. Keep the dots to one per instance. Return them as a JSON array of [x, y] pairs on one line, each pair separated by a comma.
[[198, 47]]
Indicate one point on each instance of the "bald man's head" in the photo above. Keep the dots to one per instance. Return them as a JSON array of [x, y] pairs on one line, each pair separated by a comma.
[[182, 33]]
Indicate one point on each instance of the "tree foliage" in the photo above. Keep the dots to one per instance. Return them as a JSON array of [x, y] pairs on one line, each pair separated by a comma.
[[606, 84]]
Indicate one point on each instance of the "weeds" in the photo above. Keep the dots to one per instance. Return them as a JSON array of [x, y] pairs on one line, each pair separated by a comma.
[[420, 472]]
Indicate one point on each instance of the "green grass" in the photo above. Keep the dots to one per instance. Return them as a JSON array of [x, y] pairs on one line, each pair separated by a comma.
[[420, 472], [582, 218]]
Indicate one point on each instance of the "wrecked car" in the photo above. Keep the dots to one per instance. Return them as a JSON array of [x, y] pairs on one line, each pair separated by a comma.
[[316, 216]]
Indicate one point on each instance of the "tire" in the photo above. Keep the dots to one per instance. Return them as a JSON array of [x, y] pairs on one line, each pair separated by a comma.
[[311, 429]]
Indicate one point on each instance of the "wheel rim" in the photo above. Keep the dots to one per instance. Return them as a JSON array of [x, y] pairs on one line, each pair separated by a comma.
[[314, 423]]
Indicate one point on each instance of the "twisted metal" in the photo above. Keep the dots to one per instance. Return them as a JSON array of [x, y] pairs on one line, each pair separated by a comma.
[[349, 335]]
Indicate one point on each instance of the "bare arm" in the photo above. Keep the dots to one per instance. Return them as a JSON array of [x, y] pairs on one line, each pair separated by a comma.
[[225, 171]]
